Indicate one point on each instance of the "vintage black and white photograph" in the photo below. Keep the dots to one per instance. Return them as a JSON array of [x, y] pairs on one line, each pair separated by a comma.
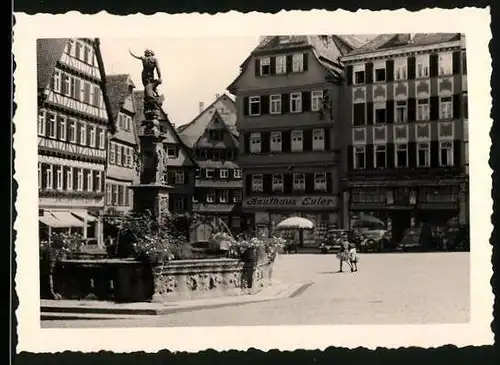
[[273, 179]]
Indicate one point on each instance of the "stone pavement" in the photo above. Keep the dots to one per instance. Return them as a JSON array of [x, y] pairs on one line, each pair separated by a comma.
[[392, 288]]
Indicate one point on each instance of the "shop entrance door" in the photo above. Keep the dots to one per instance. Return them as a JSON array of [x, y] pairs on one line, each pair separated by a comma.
[[400, 222]]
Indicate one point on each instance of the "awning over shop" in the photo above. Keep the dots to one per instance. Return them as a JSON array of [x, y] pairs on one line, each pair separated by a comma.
[[67, 219], [84, 215], [49, 220]]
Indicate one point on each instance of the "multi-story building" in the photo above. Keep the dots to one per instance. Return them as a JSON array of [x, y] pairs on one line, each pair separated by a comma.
[[405, 130], [181, 166], [73, 123], [288, 101], [213, 138], [121, 172]]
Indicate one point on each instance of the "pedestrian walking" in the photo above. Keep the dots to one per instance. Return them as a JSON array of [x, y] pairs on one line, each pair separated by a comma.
[[343, 255], [353, 257]]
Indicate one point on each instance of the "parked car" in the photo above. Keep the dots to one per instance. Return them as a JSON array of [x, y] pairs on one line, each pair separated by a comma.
[[374, 240], [411, 240], [333, 243]]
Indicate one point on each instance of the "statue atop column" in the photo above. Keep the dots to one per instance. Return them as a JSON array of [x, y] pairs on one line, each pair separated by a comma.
[[152, 99]]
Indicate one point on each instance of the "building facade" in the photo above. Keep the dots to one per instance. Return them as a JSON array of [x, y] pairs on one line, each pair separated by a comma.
[[121, 172], [73, 123], [406, 150], [181, 167], [213, 138], [288, 97]]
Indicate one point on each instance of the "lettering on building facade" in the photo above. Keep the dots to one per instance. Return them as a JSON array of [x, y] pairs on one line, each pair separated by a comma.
[[301, 202]]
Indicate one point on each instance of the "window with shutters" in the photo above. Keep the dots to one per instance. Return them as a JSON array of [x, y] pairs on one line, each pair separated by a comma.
[[299, 182], [49, 177], [275, 104], [98, 181], [379, 74], [277, 182], [275, 145], [209, 173], [400, 69], [59, 177], [423, 154], [70, 48], [66, 84], [114, 190], [359, 77], [316, 100], [298, 62], [83, 134], [297, 141], [69, 178], [55, 81], [101, 138], [41, 122], [359, 157], [79, 179], [62, 127], [118, 154], [318, 143], [92, 136], [96, 96], [90, 180], [359, 114], [446, 64], [223, 196], [254, 105], [320, 181], [423, 109], [112, 154], [236, 196], [379, 112], [52, 125], [109, 196], [86, 92], [280, 65], [401, 111], [255, 143], [179, 177], [237, 173], [295, 102], [445, 153], [401, 156], [257, 183], [422, 66], [224, 173], [380, 156], [72, 130], [446, 107], [265, 66]]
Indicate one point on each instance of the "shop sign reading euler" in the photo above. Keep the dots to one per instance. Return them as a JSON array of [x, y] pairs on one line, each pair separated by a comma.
[[290, 202]]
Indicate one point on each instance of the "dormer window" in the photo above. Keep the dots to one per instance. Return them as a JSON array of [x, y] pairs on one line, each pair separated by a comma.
[[265, 66], [215, 135]]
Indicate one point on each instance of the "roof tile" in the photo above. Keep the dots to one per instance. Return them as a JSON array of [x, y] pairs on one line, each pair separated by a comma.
[[48, 52]]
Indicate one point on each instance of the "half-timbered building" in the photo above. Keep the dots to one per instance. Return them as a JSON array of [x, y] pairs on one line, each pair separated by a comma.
[[72, 136]]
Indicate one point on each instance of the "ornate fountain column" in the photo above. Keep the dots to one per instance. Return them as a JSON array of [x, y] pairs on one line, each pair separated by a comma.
[[152, 193]]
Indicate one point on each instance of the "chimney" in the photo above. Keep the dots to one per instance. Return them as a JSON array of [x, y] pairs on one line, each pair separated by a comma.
[[217, 96], [201, 105], [412, 36]]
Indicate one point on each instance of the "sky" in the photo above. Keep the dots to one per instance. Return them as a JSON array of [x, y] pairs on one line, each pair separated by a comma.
[[193, 70]]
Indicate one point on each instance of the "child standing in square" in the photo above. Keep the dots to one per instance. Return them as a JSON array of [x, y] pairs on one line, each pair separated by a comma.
[[353, 257]]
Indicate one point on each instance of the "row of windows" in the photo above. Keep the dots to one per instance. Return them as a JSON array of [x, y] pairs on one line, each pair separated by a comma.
[[404, 68], [210, 173], [287, 183], [118, 195], [81, 51], [281, 65], [68, 178], [425, 194], [294, 141], [76, 88], [176, 177], [124, 122], [222, 196], [216, 154], [401, 155], [68, 129], [402, 111], [121, 155], [295, 102]]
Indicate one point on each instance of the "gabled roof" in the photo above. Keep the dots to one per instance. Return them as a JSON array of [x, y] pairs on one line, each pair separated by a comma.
[[48, 52], [401, 40], [192, 131], [118, 87], [210, 126]]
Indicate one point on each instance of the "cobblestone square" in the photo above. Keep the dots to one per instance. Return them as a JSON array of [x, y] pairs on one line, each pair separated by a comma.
[[392, 288]]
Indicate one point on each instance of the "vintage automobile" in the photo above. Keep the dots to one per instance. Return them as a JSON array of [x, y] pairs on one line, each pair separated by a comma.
[[374, 240], [411, 240], [333, 243]]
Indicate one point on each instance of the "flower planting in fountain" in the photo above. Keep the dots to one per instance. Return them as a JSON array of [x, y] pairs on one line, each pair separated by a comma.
[[255, 248]]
